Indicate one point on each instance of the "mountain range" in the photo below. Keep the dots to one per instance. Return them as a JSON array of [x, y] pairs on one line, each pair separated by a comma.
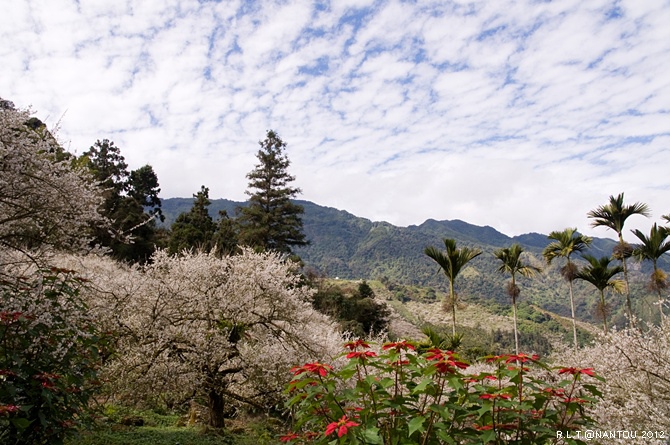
[[346, 246]]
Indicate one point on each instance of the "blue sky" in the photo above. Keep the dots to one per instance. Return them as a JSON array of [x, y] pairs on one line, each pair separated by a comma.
[[521, 115]]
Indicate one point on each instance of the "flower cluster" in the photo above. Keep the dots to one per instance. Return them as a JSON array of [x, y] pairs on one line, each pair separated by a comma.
[[636, 366], [206, 325], [44, 200], [401, 395]]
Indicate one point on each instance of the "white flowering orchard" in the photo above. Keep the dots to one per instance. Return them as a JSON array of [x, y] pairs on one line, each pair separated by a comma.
[[221, 329], [44, 200]]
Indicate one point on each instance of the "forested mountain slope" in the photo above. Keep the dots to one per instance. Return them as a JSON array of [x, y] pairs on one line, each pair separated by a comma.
[[346, 246]]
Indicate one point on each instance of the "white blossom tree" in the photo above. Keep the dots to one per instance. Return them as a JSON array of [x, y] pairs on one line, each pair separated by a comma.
[[636, 392], [214, 329], [44, 200]]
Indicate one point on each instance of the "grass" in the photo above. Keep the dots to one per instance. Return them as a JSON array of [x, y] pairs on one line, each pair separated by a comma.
[[148, 435], [167, 429]]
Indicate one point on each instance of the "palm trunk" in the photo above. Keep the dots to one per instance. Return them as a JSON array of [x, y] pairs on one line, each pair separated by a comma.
[[629, 307], [657, 285], [516, 334], [453, 308], [604, 311], [574, 320]]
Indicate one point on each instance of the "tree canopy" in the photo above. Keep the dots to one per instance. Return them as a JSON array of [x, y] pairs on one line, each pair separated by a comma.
[[271, 221], [131, 202], [45, 201]]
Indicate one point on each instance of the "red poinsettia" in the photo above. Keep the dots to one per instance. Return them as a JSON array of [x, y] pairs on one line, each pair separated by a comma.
[[341, 426], [573, 371], [315, 368], [353, 345], [398, 345], [361, 354]]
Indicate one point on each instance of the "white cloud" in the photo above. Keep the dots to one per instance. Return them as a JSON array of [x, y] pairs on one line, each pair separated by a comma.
[[520, 115]]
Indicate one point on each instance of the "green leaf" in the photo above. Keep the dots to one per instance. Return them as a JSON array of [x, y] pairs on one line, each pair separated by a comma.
[[593, 390], [488, 436], [447, 438], [386, 382], [371, 436], [416, 424], [347, 373], [21, 423], [486, 407], [422, 386]]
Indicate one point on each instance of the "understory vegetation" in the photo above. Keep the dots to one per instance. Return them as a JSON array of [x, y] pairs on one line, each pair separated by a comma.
[[114, 330]]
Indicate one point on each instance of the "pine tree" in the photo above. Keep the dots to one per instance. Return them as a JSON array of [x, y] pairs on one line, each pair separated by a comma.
[[271, 221], [127, 195], [193, 229]]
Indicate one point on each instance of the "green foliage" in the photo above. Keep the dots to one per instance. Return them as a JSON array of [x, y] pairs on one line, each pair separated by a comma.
[[131, 202], [193, 229], [49, 357], [345, 246], [599, 273], [271, 221], [401, 397], [613, 215], [452, 261], [357, 312]]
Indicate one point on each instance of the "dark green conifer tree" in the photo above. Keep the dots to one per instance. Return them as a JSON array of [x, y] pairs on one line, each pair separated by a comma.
[[271, 221], [193, 229], [131, 203]]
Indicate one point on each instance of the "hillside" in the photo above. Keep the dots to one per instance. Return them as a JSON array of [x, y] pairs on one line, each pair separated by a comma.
[[346, 246]]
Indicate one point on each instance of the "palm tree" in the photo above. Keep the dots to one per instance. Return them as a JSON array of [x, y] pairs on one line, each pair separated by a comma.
[[452, 262], [512, 264], [600, 275], [613, 215], [565, 244], [652, 248]]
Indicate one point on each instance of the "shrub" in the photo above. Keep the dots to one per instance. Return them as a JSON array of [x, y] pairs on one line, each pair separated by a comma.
[[397, 396], [48, 358]]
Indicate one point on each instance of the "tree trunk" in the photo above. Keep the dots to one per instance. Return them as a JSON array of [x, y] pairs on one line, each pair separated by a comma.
[[629, 307], [215, 405], [657, 284], [452, 295], [574, 321], [604, 310]]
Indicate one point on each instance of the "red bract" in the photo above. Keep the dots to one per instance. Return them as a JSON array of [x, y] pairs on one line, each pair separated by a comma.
[[315, 368], [398, 346], [559, 392], [573, 371], [353, 345], [8, 317], [477, 378], [5, 409], [341, 426], [361, 354], [288, 437], [521, 358], [449, 366], [438, 354]]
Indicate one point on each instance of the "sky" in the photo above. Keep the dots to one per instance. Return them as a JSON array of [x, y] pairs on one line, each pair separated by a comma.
[[519, 115]]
